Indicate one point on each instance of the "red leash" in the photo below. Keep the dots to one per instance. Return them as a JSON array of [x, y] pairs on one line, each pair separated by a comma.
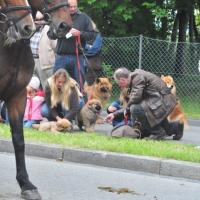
[[126, 119], [30, 108], [78, 43]]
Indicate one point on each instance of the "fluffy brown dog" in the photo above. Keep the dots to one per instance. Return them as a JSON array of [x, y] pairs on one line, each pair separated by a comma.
[[62, 125], [89, 115], [101, 90], [177, 114]]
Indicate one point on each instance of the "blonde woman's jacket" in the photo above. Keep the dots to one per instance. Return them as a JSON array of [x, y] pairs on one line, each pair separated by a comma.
[[74, 106]]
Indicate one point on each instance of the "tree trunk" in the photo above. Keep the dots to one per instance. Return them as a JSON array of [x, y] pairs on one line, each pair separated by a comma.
[[183, 23], [191, 28], [175, 28]]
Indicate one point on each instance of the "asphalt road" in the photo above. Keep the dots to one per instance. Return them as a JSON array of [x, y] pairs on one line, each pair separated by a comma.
[[70, 181]]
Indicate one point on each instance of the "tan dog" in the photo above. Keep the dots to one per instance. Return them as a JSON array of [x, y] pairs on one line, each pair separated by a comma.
[[89, 115], [62, 125], [101, 90], [177, 114]]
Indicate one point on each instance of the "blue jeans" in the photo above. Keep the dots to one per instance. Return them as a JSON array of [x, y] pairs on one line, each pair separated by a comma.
[[69, 62], [46, 113]]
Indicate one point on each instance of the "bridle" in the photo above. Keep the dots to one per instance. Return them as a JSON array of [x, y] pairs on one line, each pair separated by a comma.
[[47, 11], [12, 21]]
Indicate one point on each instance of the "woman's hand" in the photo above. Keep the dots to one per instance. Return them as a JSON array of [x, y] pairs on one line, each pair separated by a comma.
[[58, 118]]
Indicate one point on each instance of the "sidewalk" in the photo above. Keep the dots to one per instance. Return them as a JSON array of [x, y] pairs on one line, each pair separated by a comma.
[[107, 159]]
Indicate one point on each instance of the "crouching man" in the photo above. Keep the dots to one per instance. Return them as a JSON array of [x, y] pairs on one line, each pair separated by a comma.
[[150, 103]]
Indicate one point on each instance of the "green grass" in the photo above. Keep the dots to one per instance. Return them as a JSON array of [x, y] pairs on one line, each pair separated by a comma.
[[191, 107], [162, 149]]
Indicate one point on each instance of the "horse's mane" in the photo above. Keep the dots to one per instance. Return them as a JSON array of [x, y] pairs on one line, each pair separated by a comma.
[[1, 2], [8, 1]]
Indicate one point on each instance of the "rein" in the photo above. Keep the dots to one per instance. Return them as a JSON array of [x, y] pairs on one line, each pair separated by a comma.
[[56, 7], [13, 21]]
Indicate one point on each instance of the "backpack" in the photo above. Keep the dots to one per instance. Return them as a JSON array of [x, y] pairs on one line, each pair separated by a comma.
[[93, 48], [125, 131]]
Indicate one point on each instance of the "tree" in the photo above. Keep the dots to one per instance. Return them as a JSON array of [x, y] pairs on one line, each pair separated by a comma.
[[120, 18]]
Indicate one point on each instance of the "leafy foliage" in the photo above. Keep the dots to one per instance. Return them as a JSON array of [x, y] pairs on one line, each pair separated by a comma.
[[117, 18], [154, 18]]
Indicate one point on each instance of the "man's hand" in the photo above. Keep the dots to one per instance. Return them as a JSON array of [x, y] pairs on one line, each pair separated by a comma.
[[74, 32], [112, 109], [109, 117], [126, 111]]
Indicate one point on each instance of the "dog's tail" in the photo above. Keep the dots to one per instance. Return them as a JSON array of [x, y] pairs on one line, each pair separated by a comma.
[[36, 126], [185, 122]]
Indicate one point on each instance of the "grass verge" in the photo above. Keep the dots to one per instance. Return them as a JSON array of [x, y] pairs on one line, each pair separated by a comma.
[[162, 149]]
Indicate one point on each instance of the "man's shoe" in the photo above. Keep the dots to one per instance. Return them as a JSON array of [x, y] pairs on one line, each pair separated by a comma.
[[179, 132]]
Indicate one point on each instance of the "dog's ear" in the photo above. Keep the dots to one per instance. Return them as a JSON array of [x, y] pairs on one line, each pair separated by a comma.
[[110, 78], [89, 104], [97, 80]]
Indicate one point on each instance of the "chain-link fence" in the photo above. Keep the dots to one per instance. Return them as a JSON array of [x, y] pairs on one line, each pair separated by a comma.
[[180, 60]]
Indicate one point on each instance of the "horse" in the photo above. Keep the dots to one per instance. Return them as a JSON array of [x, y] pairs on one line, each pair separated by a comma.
[[16, 69], [56, 13]]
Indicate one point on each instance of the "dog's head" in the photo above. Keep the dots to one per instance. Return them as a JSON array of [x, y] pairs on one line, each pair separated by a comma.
[[95, 105], [103, 86], [168, 80], [64, 125]]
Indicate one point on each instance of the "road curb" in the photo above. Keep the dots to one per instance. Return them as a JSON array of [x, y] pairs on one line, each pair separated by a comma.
[[148, 164]]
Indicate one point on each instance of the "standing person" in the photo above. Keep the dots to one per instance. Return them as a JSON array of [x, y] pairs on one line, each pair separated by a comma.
[[63, 98], [150, 102], [43, 50], [69, 54]]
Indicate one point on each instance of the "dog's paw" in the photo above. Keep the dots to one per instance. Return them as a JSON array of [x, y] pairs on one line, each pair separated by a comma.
[[89, 130], [100, 121]]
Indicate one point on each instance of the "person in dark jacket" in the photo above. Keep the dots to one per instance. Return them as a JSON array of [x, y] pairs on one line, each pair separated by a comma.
[[150, 102], [62, 96], [69, 49]]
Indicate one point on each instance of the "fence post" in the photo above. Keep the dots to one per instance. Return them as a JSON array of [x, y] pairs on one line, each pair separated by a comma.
[[140, 52]]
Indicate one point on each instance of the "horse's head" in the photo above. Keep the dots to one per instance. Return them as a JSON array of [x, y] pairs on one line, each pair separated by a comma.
[[16, 21], [56, 13]]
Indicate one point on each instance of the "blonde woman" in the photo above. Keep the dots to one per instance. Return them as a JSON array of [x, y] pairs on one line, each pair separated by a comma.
[[62, 95]]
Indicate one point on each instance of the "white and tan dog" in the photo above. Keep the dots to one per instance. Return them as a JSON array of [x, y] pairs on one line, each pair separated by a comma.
[[62, 125]]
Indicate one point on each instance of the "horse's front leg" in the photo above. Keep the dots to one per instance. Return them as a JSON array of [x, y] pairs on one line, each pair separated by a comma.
[[16, 107]]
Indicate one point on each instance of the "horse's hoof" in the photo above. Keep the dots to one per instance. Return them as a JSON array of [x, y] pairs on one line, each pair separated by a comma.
[[31, 195]]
